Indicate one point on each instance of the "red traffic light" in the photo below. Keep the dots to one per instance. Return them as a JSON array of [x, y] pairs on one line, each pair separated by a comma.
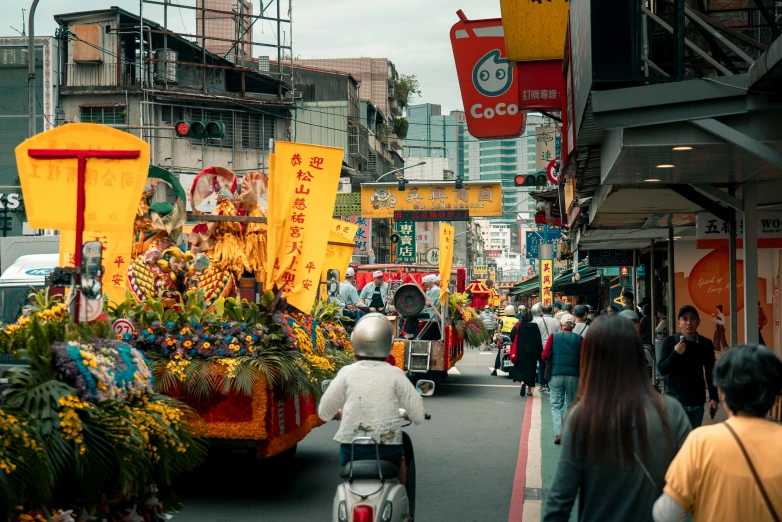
[[519, 180], [182, 128]]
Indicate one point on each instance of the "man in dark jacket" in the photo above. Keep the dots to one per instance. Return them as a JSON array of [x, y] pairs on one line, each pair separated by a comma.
[[684, 359], [565, 350]]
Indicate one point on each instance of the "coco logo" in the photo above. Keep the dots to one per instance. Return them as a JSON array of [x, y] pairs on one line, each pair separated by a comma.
[[491, 75]]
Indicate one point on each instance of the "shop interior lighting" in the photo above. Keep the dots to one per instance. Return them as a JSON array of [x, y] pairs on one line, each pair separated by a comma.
[[666, 166], [682, 147]]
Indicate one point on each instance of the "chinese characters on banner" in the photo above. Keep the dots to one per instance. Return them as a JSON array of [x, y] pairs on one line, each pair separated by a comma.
[[546, 281], [112, 187], [339, 249], [306, 176], [405, 249], [363, 237], [472, 200], [446, 260], [711, 232], [547, 141], [117, 248]]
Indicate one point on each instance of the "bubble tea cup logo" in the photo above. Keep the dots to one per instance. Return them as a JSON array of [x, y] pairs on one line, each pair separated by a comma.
[[492, 76]]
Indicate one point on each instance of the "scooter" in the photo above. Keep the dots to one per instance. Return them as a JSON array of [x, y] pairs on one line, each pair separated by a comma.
[[506, 365], [370, 489]]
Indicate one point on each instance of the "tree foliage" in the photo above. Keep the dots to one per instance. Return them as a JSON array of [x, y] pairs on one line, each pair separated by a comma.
[[400, 127], [407, 89]]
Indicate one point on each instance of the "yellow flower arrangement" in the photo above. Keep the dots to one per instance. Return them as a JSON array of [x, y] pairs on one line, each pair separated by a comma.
[[157, 423], [176, 366], [398, 353], [229, 365], [70, 423], [13, 430]]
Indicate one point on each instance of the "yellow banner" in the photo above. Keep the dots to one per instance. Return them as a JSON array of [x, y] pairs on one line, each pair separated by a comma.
[[534, 30], [117, 247], [446, 260], [112, 187], [340, 248], [279, 203], [546, 281], [311, 174], [380, 200]]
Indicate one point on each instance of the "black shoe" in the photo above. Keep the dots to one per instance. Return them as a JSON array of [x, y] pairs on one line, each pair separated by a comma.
[[523, 391], [494, 373], [558, 440]]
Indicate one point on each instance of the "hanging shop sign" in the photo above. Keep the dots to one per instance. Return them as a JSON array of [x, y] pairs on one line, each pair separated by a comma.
[[534, 30], [423, 236], [381, 200], [405, 248], [540, 85], [711, 232], [489, 85], [548, 140], [432, 215], [433, 256], [546, 281]]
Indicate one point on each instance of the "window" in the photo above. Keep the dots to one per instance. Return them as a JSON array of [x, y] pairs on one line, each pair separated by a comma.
[[508, 143], [490, 176], [499, 159], [499, 168], [531, 149], [113, 115], [257, 129], [494, 152]]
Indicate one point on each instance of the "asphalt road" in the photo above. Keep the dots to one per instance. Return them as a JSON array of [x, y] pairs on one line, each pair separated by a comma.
[[465, 458]]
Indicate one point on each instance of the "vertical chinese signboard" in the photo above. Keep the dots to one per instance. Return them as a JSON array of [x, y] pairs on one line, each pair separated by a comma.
[[546, 281], [446, 260], [306, 179], [405, 249], [363, 237], [548, 140]]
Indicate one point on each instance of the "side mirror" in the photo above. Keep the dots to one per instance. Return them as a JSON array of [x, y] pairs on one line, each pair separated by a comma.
[[325, 384], [425, 388], [92, 270]]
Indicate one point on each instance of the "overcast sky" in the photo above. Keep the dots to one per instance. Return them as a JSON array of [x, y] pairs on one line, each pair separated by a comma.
[[411, 33]]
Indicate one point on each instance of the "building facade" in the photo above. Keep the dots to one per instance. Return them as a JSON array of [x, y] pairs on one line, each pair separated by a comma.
[[433, 135], [225, 26]]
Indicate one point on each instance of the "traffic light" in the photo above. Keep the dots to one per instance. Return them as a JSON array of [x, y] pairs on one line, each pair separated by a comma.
[[538, 179], [196, 129]]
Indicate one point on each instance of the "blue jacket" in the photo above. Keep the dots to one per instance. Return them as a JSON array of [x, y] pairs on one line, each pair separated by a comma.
[[566, 354]]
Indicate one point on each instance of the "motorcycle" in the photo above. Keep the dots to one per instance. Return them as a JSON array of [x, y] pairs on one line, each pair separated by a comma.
[[370, 489], [506, 365]]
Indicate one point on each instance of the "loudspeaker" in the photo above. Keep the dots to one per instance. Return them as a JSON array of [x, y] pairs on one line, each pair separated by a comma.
[[409, 300]]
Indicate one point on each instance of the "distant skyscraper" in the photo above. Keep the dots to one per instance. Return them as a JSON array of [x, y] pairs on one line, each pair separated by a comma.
[[225, 26], [432, 135]]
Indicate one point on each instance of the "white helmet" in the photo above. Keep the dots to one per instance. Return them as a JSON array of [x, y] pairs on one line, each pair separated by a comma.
[[373, 336], [537, 310], [510, 310]]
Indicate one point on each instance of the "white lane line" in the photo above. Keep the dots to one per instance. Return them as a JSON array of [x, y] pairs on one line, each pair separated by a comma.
[[533, 509], [486, 353], [454, 371]]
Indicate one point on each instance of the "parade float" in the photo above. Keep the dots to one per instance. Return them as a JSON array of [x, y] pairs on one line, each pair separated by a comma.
[[217, 330]]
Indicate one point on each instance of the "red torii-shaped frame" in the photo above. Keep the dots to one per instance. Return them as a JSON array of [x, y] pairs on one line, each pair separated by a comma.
[[82, 156]]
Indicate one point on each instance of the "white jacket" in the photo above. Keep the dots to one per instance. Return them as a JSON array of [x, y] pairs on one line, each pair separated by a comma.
[[370, 393], [548, 327]]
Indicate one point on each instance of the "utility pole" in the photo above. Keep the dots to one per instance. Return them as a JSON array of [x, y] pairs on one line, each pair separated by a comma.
[[31, 71]]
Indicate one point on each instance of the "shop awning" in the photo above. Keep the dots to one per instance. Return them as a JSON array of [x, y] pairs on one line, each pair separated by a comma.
[[525, 287]]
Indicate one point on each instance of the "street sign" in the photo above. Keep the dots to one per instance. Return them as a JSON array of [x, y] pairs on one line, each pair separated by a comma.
[[546, 146], [122, 327], [546, 281], [433, 215], [489, 85], [534, 240], [711, 232], [433, 256], [608, 258], [479, 270], [493, 253], [423, 236]]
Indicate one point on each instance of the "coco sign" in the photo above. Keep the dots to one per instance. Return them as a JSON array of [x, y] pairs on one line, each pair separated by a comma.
[[489, 85]]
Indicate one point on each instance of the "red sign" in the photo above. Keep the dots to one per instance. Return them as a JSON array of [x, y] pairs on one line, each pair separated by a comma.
[[550, 168], [624, 271], [540, 85], [489, 85], [494, 253]]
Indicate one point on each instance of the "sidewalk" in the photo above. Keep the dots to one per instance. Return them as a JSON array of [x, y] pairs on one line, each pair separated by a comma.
[[543, 456]]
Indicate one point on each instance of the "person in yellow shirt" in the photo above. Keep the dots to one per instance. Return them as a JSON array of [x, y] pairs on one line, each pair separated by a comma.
[[732, 471], [494, 297], [507, 322]]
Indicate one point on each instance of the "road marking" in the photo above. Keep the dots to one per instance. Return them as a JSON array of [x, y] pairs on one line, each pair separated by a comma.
[[486, 353], [454, 371], [533, 507], [516, 512], [480, 385]]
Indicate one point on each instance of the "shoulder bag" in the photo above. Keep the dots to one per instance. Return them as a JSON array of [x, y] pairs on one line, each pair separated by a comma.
[[755, 475]]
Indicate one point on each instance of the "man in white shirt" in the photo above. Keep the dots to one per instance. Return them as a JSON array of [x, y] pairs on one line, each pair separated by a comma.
[[367, 395], [580, 313], [348, 295]]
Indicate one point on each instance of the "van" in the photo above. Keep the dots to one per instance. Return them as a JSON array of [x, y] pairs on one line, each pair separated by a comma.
[[27, 275]]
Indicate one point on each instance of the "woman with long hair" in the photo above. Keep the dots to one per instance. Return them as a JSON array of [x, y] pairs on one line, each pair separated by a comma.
[[620, 437], [526, 349]]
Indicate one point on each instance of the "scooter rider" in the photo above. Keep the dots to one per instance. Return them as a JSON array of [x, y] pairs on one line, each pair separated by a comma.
[[368, 394], [506, 326]]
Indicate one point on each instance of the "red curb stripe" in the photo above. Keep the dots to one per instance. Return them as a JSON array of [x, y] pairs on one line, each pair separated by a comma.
[[520, 478]]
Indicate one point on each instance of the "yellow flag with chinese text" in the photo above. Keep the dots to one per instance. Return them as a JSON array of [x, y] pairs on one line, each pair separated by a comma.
[[117, 248], [340, 247], [446, 260], [310, 174]]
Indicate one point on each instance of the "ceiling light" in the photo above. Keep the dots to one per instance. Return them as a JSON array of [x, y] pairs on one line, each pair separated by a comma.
[[652, 180], [665, 166], [682, 147], [677, 237]]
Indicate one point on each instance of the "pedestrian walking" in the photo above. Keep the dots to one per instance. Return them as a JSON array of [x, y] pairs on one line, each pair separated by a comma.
[[564, 349], [616, 446], [646, 324], [662, 324], [612, 310], [685, 359], [582, 325], [525, 352], [731, 470], [547, 325], [720, 343], [557, 311], [487, 316]]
